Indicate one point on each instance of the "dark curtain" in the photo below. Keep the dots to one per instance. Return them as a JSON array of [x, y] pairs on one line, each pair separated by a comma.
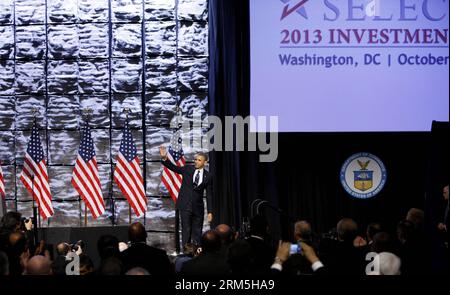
[[229, 90], [304, 182]]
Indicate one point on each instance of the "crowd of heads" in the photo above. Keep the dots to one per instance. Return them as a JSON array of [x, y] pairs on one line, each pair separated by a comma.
[[346, 249]]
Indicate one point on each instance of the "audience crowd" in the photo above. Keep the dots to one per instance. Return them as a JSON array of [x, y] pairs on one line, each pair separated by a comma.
[[346, 249]]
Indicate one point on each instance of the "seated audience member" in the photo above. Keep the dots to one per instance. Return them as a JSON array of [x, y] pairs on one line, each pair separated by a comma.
[[283, 254], [108, 246], [384, 242], [60, 262], [240, 257], [209, 262], [86, 265], [262, 251], [38, 265], [412, 248], [111, 266], [189, 252], [4, 264], [388, 264], [344, 257], [226, 237], [297, 264], [137, 271], [139, 254]]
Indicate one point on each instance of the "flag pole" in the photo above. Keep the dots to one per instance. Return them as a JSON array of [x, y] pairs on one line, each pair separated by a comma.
[[34, 111], [87, 112], [177, 212], [127, 111]]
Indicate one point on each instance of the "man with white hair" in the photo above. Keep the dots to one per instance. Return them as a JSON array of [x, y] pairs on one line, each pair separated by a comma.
[[386, 264]]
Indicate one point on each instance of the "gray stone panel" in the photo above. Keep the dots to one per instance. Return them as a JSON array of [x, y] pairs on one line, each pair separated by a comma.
[[24, 111], [160, 108], [6, 77], [62, 77], [193, 39], [63, 41], [63, 112], [7, 146], [193, 10], [6, 12], [7, 112], [63, 147], [126, 10], [193, 74], [30, 77], [160, 38], [31, 42], [9, 175], [29, 12], [160, 215], [62, 11], [93, 11], [93, 76], [121, 102], [99, 104], [126, 75], [93, 40], [159, 10], [127, 42], [60, 183], [7, 42]]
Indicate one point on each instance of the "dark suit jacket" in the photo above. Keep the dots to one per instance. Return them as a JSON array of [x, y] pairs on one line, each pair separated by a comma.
[[207, 264], [191, 199], [152, 259]]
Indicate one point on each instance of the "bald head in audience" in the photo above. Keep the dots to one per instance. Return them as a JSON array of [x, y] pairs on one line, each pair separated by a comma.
[[225, 233], [39, 265], [137, 271], [62, 249], [302, 231]]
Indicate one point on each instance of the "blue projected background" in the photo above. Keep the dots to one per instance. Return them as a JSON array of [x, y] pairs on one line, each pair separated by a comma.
[[353, 65]]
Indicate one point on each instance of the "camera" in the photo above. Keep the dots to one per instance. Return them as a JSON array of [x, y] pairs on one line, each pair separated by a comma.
[[296, 249], [78, 246], [23, 220]]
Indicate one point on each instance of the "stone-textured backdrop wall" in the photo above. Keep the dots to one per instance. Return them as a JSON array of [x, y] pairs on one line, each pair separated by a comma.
[[62, 56]]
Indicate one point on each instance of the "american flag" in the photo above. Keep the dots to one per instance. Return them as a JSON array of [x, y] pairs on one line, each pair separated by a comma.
[[171, 180], [2, 183], [34, 175], [128, 175], [85, 178]]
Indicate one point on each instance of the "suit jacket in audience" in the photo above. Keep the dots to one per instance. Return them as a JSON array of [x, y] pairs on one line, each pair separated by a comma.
[[154, 260]]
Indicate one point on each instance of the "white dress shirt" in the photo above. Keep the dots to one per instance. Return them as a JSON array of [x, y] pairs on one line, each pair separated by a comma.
[[200, 177]]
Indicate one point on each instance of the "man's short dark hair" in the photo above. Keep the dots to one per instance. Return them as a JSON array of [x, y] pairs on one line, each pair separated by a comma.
[[107, 246], [258, 225], [10, 220], [137, 233], [210, 242], [347, 229], [372, 229], [202, 154]]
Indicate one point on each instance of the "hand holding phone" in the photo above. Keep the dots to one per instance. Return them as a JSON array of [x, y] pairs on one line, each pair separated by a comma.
[[296, 249]]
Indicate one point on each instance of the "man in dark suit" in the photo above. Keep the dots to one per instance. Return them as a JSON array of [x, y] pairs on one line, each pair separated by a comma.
[[209, 262], [139, 254], [196, 179]]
